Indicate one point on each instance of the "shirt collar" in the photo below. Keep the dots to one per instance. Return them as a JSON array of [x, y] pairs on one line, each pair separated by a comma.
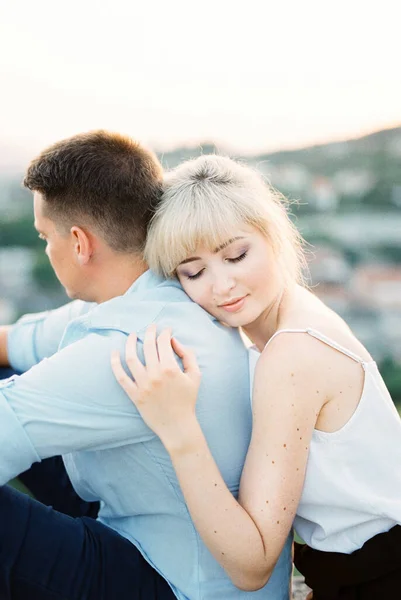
[[149, 280]]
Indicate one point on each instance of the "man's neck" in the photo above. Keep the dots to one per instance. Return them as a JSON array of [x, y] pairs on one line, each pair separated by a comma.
[[116, 277]]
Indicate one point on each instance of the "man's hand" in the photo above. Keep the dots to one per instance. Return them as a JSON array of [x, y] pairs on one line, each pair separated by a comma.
[[309, 596], [3, 346]]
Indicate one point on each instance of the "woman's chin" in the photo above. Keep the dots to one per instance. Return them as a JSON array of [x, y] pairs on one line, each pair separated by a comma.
[[239, 320]]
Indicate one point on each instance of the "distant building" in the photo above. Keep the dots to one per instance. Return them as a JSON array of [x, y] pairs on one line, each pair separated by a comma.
[[353, 182], [335, 296], [323, 195], [8, 312], [291, 178], [378, 286], [16, 265], [328, 265]]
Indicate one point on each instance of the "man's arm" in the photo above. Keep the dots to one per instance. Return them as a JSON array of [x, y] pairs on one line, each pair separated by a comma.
[[67, 403], [37, 336], [3, 346]]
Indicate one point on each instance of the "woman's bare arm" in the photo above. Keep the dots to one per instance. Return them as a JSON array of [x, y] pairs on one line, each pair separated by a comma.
[[246, 537], [4, 362]]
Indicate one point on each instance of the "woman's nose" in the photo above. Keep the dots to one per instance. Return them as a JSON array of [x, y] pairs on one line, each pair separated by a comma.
[[223, 285]]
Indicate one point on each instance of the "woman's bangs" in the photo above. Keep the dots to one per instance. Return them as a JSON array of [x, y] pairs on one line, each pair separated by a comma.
[[206, 230]]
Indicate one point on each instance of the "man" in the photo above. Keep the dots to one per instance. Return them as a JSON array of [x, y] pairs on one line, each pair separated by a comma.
[[93, 197]]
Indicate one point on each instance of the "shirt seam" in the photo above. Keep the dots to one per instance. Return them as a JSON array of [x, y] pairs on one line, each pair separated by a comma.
[[184, 505], [90, 325]]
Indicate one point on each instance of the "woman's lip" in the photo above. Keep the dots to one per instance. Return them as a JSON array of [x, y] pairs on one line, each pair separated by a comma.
[[234, 306]]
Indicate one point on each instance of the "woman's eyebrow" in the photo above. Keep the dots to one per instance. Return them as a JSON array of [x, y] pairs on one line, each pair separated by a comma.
[[191, 259], [225, 244]]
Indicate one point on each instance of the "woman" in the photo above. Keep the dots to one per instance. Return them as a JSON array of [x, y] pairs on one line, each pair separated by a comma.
[[326, 443]]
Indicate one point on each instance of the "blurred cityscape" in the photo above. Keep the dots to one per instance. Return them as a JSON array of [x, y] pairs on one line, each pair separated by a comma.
[[347, 204]]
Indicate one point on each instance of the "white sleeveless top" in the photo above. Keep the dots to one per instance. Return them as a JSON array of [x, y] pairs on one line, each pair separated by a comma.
[[352, 488]]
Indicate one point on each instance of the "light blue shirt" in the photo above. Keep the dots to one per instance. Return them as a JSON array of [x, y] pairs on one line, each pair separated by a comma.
[[69, 403]]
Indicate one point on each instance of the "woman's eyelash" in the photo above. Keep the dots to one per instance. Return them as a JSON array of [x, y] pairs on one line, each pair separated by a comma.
[[196, 275], [232, 260], [238, 258]]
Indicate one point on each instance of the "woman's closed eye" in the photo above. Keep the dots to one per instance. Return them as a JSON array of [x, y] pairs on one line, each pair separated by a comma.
[[195, 275], [237, 258]]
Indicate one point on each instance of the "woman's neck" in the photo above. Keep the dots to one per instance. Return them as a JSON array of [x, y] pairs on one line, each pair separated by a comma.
[[265, 326]]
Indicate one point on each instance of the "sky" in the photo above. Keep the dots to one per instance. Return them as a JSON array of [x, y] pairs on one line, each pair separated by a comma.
[[251, 76]]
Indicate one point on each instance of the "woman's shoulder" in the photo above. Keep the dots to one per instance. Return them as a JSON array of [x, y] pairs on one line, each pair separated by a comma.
[[294, 363], [320, 326]]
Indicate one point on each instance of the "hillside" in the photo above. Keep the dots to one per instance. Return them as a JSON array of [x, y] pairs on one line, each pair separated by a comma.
[[364, 152], [331, 176]]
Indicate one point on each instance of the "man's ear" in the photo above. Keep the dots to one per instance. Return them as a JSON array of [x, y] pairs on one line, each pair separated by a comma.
[[83, 245]]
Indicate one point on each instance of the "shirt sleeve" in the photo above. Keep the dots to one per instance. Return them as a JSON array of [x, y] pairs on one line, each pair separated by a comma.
[[37, 336], [67, 403]]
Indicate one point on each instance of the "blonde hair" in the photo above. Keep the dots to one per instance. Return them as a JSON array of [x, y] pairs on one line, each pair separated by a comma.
[[205, 200]]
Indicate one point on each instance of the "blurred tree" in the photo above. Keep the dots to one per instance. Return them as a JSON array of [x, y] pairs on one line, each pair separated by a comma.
[[391, 373], [389, 253], [18, 193], [43, 273], [19, 233], [380, 195]]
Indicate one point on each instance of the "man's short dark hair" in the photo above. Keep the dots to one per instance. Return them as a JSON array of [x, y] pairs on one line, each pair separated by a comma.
[[102, 179]]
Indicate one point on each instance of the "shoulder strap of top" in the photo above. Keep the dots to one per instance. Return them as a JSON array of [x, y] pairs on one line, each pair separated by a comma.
[[323, 338], [285, 331]]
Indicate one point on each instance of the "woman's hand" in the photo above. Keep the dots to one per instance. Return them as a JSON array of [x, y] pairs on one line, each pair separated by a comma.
[[164, 395]]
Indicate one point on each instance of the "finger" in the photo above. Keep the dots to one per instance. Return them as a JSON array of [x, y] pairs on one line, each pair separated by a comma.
[[128, 385], [150, 350], [134, 364], [187, 356], [166, 354]]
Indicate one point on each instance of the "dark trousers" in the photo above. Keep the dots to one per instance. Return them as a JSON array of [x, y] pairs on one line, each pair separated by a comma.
[[371, 573], [53, 548]]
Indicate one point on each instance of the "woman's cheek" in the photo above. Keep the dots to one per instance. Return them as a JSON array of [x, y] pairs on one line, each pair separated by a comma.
[[201, 299], [200, 295], [257, 270], [189, 288]]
